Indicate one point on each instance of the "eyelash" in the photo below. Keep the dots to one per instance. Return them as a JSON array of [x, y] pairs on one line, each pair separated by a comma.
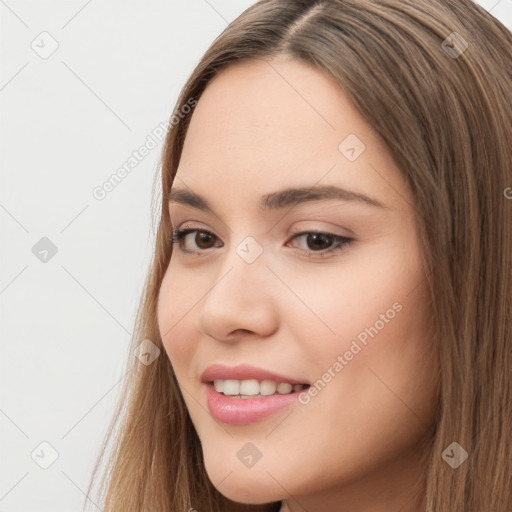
[[341, 242]]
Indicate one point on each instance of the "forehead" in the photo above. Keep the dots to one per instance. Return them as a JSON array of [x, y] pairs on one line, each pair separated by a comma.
[[272, 106], [263, 125]]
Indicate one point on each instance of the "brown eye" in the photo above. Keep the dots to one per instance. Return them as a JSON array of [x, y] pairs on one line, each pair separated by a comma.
[[319, 244], [202, 240], [319, 241]]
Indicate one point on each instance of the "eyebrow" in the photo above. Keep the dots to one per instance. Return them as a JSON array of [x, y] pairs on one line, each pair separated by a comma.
[[289, 197]]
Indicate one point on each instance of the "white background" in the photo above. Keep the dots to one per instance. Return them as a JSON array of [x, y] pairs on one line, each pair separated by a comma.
[[68, 122]]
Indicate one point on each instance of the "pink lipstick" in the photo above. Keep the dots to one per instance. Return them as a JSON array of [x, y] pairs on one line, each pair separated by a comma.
[[245, 394]]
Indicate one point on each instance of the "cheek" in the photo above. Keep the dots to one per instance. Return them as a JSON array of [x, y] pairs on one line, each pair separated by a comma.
[[383, 360], [367, 341], [357, 299], [175, 312], [372, 338], [372, 404]]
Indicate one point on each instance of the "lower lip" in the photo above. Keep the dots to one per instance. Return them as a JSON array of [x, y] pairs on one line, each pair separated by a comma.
[[242, 411]]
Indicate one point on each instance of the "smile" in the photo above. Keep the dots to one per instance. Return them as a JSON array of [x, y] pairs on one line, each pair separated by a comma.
[[242, 409], [244, 394], [252, 387]]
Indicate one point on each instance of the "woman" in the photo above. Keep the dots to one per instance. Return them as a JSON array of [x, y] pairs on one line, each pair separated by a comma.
[[331, 287]]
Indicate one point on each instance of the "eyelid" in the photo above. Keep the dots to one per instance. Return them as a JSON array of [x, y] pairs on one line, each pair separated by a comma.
[[190, 225], [330, 231]]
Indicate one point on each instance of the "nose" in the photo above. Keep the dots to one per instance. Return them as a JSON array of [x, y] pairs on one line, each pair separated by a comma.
[[240, 301]]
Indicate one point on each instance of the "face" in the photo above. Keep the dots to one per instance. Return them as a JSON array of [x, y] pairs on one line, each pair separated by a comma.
[[296, 322]]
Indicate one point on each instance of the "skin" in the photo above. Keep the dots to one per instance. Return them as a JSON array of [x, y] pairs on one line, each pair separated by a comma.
[[358, 442]]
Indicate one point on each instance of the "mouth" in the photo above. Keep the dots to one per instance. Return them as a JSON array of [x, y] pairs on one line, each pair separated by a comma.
[[244, 394], [244, 409], [253, 388]]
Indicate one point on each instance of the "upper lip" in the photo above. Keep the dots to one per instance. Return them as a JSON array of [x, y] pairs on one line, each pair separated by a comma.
[[244, 372]]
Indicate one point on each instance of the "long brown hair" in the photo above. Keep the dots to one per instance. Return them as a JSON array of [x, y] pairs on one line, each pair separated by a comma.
[[445, 112]]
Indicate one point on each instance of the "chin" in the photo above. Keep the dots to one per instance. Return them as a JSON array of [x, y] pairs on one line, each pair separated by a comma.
[[250, 486]]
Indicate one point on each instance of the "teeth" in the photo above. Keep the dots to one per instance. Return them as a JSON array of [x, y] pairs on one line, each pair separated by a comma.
[[252, 387], [284, 388], [249, 387], [231, 387], [267, 387]]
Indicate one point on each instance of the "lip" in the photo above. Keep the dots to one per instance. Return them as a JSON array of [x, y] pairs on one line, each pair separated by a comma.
[[243, 411]]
